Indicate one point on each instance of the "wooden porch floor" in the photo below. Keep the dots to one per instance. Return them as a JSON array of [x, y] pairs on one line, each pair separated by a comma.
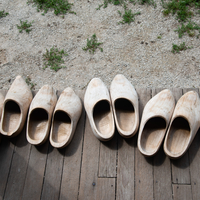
[[90, 169]]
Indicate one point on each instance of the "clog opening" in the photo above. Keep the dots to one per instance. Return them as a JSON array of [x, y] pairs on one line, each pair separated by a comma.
[[11, 118], [38, 124], [178, 136], [61, 127], [125, 114], [103, 118], [153, 134]]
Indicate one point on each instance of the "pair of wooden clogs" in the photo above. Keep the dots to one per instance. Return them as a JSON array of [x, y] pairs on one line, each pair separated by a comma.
[[180, 124], [66, 113], [122, 102]]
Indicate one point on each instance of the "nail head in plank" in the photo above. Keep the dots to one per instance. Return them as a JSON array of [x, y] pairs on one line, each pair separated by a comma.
[[72, 161], [162, 171], [125, 168], [143, 166], [89, 170], [105, 188], [182, 192], [107, 158]]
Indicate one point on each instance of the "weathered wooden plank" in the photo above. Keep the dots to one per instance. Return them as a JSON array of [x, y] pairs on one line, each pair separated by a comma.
[[182, 192], [35, 172], [89, 170], [72, 161], [107, 158], [194, 158], [6, 153], [53, 174], [105, 188], [143, 166], [125, 169], [16, 179], [162, 171], [180, 167]]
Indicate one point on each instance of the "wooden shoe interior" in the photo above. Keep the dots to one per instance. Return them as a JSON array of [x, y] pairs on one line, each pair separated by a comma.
[[38, 124], [125, 114], [61, 127], [178, 137], [11, 118], [152, 135], [103, 118]]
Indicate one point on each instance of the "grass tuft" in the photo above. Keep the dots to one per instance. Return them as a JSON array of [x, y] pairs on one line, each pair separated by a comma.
[[128, 16], [178, 48], [92, 44], [30, 83], [53, 58], [59, 6], [24, 26], [3, 14]]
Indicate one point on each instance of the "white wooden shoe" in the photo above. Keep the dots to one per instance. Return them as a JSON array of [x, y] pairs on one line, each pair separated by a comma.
[[155, 119], [183, 126], [15, 108], [125, 106], [40, 113], [99, 110], [1, 106], [65, 118]]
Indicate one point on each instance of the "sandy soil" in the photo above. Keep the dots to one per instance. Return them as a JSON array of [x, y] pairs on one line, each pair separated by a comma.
[[133, 50]]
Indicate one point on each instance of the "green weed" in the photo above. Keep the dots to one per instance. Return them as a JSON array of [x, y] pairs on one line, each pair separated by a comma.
[[30, 83], [92, 44], [128, 16], [159, 37], [24, 26], [3, 14], [59, 6], [53, 58], [178, 48], [189, 28], [180, 8]]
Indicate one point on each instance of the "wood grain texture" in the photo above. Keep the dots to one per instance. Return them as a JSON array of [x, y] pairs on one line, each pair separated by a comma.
[[180, 167], [182, 192], [89, 170], [194, 158], [162, 171], [72, 161], [16, 180], [107, 158], [53, 174], [6, 153], [143, 166], [35, 172], [125, 168], [105, 188]]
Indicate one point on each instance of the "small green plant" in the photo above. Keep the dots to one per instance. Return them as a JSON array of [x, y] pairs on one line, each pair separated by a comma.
[[92, 44], [24, 26], [189, 28], [53, 58], [159, 37], [3, 14], [149, 2], [59, 6], [30, 83], [128, 16], [178, 48], [180, 8]]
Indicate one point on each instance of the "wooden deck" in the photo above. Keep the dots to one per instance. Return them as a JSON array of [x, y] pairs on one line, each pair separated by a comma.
[[90, 169]]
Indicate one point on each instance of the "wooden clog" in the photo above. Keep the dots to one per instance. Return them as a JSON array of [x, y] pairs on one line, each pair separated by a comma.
[[183, 126], [155, 119], [99, 110], [125, 106], [40, 113], [15, 108], [1, 106], [65, 118]]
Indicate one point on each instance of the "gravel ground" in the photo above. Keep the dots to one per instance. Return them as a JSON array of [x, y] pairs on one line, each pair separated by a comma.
[[133, 50]]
